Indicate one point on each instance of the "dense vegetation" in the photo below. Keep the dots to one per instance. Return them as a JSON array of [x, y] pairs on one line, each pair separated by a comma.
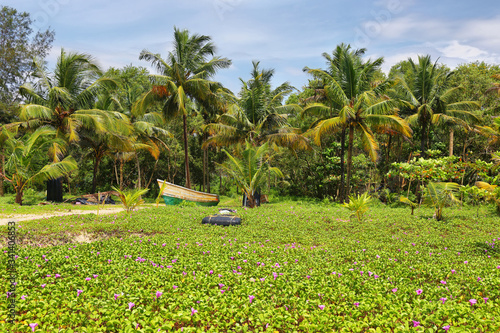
[[345, 132], [291, 266]]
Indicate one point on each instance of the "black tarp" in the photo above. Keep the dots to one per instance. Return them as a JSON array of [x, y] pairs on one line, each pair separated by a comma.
[[54, 190]]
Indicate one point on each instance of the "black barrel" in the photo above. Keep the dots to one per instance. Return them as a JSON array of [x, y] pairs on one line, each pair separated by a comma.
[[221, 220]]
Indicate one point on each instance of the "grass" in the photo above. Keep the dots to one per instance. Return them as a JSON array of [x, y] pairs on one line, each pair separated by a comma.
[[307, 266]]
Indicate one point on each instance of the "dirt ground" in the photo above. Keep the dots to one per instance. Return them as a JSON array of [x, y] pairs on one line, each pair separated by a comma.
[[25, 217]]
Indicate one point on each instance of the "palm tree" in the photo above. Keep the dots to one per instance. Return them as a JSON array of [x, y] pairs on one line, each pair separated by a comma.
[[433, 101], [359, 106], [64, 99], [22, 165], [250, 171], [183, 75], [258, 116]]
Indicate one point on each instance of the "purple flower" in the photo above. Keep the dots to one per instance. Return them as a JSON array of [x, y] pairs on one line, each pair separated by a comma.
[[43, 285], [251, 297], [443, 299], [158, 294], [453, 271], [466, 262], [485, 299], [193, 311], [357, 304], [116, 296], [443, 281], [416, 323], [321, 307], [394, 290], [479, 279], [23, 297], [95, 276], [78, 292], [472, 301], [33, 326], [88, 279], [130, 305], [446, 328], [57, 276], [419, 291], [175, 287], [211, 272]]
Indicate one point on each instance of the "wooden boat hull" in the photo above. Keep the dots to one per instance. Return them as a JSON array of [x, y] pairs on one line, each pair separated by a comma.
[[175, 194]]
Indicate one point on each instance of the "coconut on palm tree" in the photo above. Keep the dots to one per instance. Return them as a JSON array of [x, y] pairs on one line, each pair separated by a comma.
[[182, 76]]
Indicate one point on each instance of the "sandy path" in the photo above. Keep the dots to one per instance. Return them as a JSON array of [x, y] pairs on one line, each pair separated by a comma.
[[26, 217]]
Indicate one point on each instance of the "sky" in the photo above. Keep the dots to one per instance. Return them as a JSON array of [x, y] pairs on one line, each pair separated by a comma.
[[286, 35]]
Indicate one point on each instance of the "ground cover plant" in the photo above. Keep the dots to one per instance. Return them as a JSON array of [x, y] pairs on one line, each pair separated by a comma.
[[291, 266]]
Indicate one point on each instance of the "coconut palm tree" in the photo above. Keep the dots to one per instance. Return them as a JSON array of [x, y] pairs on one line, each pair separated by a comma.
[[433, 101], [183, 75], [353, 105], [22, 165], [258, 116], [250, 170], [64, 99]]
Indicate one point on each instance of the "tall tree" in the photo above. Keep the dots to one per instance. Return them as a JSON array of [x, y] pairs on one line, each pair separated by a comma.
[[358, 105], [432, 100], [183, 75], [258, 115], [19, 44], [64, 99]]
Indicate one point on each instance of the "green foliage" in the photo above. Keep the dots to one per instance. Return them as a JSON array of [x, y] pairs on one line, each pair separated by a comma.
[[493, 193], [358, 205], [250, 171], [131, 199], [440, 195], [408, 202], [366, 275]]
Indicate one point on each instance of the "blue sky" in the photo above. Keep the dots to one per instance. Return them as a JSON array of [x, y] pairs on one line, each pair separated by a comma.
[[284, 35]]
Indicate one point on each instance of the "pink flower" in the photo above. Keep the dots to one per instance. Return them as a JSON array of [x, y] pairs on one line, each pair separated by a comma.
[[43, 285], [443, 299], [175, 287], [116, 296], [251, 297], [446, 328], [472, 301], [443, 281], [33, 326], [485, 299], [416, 323], [356, 304], [158, 294], [453, 271], [88, 279], [95, 276], [419, 291], [211, 272], [394, 290], [193, 311], [23, 297], [321, 307], [130, 305], [78, 292]]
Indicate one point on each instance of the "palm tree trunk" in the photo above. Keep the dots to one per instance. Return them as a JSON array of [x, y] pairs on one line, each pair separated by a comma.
[[121, 174], [138, 185], [423, 139], [349, 162], [94, 177], [2, 169], [204, 169], [186, 154], [451, 142], [19, 195], [342, 167]]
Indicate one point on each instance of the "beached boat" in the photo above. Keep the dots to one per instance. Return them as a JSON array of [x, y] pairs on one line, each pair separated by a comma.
[[175, 194]]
